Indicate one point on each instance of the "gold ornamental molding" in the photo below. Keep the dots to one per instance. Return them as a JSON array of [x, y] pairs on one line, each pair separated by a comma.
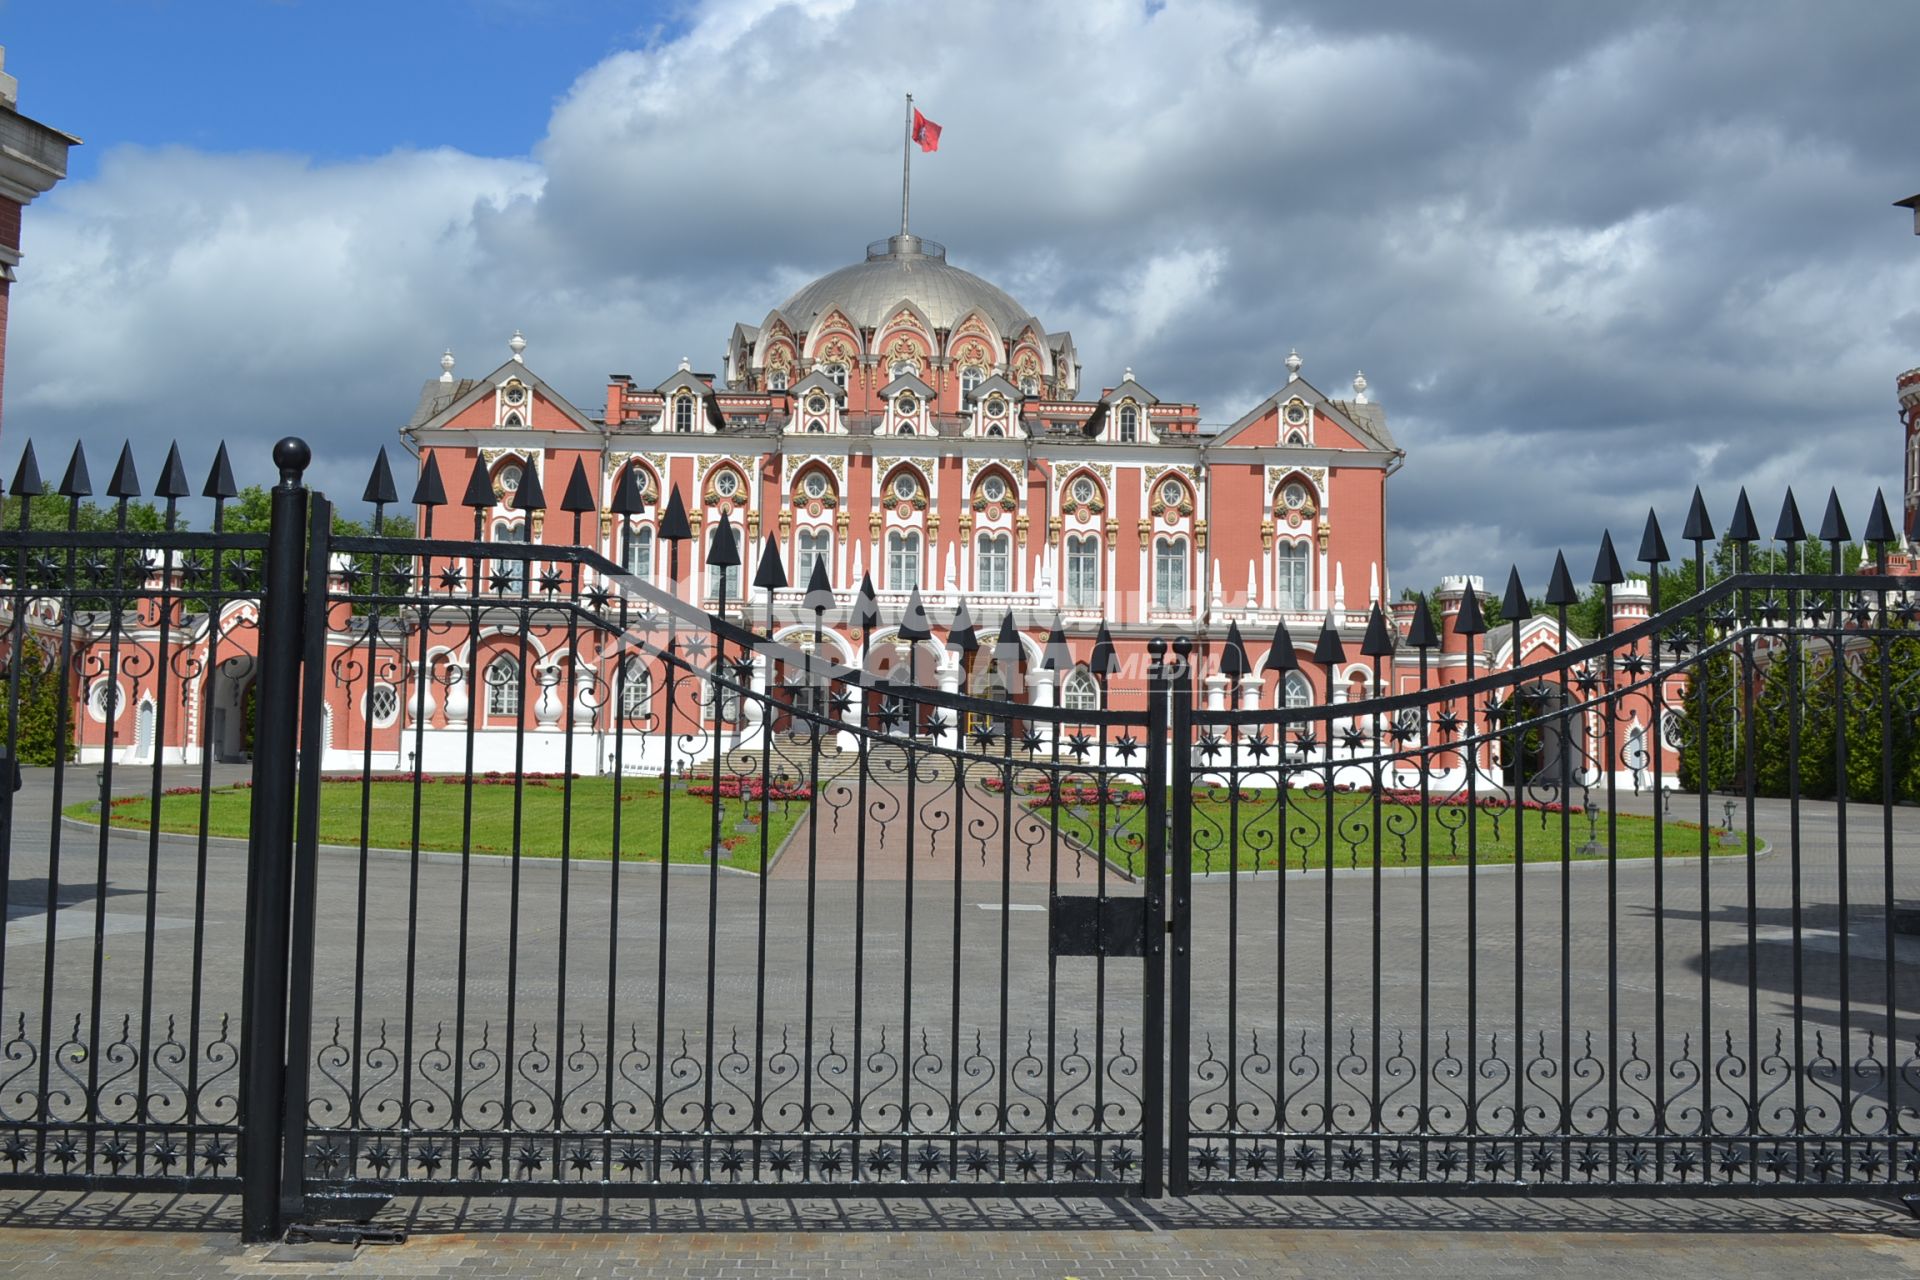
[[835, 462], [1157, 484]]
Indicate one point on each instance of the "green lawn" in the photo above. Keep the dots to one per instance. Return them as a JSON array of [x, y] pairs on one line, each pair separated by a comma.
[[543, 808], [1249, 837]]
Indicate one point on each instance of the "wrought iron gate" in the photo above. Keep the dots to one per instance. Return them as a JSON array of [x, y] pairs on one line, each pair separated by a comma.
[[787, 921], [1467, 937]]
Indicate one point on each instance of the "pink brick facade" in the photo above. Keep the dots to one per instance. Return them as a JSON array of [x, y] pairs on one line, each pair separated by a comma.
[[929, 436]]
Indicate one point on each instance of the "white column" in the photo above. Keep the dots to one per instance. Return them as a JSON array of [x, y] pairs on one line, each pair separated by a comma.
[[459, 695], [1216, 692], [1040, 694], [948, 675]]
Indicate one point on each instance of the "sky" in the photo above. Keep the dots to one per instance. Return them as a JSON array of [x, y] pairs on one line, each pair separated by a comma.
[[1587, 255]]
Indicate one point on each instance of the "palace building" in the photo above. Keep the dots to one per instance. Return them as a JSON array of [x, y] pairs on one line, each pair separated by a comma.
[[903, 421]]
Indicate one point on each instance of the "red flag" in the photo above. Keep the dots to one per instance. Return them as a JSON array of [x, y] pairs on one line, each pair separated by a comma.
[[925, 132]]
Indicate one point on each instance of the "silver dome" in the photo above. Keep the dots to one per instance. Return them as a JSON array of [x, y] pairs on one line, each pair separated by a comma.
[[903, 267]]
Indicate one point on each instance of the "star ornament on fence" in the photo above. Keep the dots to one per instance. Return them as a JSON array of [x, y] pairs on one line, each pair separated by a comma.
[[1127, 747], [1032, 739], [1078, 745]]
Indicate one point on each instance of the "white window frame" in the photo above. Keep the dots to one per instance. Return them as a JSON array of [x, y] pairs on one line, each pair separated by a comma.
[[638, 565], [636, 690], [1083, 570], [504, 695], [1129, 432], [1080, 691], [683, 413], [993, 562], [811, 545], [1170, 586], [516, 535], [1295, 690], [1292, 576], [903, 559]]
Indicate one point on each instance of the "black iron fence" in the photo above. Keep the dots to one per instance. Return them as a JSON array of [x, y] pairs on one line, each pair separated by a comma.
[[352, 865]]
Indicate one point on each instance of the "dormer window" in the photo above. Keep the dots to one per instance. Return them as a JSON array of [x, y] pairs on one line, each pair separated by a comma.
[[1129, 423], [683, 413], [970, 379], [816, 403], [516, 394], [835, 373], [905, 404], [996, 407]]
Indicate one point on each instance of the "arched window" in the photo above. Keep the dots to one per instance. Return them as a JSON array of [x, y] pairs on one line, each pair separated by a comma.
[[636, 552], [103, 699], [503, 688], [383, 704], [683, 412], [970, 379], [729, 577], [1079, 692], [993, 562], [636, 690], [1129, 423], [815, 546], [513, 572], [835, 373], [906, 428], [1293, 576], [902, 367], [1296, 690], [1170, 573], [777, 380], [1029, 386], [903, 560], [1295, 438], [995, 429], [1083, 571]]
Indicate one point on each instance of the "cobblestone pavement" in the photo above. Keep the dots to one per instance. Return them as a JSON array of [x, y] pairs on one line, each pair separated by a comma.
[[56, 1236]]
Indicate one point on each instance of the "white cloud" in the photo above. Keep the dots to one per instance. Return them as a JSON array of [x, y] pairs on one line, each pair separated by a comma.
[[1584, 263]]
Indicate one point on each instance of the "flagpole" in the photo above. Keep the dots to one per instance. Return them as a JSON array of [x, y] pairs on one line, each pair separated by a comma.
[[906, 167]]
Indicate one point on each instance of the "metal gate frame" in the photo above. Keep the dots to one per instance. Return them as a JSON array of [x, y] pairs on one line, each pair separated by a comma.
[[1340, 1101], [1755, 1106]]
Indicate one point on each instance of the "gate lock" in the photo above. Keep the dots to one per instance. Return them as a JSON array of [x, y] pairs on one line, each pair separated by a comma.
[[1085, 925]]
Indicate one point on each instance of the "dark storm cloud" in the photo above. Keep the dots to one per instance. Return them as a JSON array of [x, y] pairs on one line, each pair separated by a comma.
[[1586, 254]]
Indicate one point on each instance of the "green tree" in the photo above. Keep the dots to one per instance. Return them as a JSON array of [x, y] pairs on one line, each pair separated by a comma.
[[1865, 742], [1714, 733], [1773, 707], [36, 713]]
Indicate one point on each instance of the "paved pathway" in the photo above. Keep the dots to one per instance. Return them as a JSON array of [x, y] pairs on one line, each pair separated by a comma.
[[55, 1236]]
